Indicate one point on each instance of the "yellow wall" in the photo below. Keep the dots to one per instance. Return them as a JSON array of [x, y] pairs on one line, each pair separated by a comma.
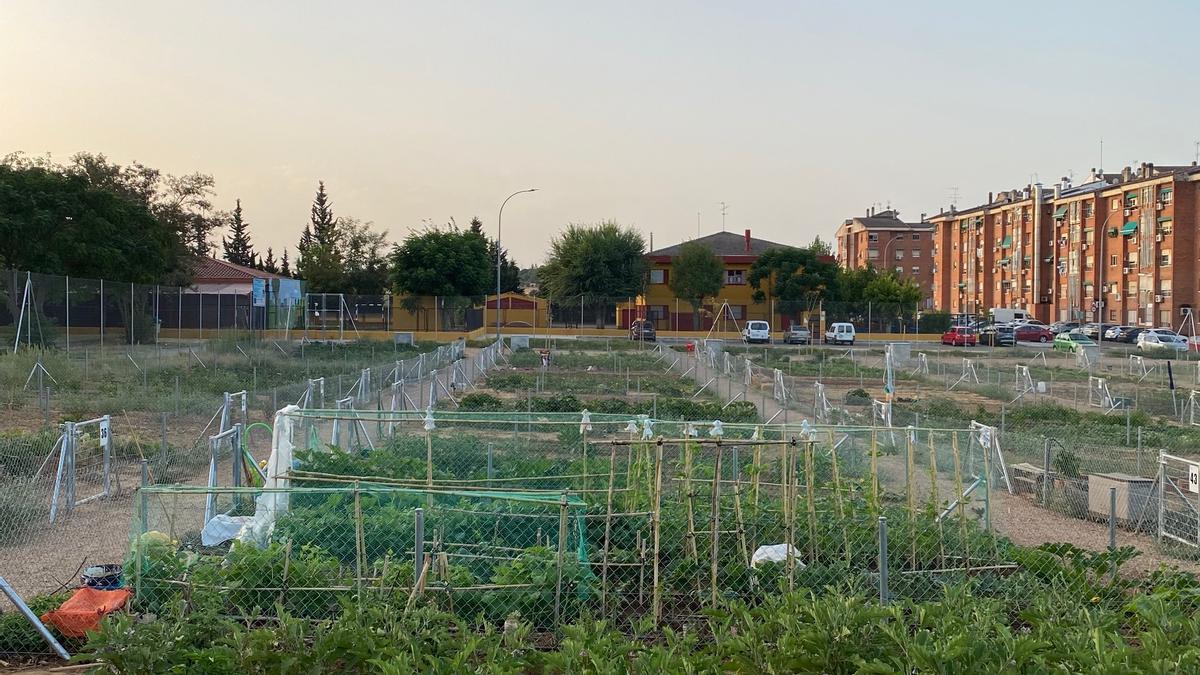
[[680, 313]]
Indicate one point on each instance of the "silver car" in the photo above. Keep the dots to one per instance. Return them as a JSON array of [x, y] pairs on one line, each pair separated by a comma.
[[798, 334]]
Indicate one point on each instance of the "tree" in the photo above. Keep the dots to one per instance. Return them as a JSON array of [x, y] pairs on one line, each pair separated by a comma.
[[181, 204], [320, 261], [820, 246], [798, 278], [448, 263], [269, 264], [238, 249], [696, 273], [510, 274], [364, 265], [602, 262], [285, 267]]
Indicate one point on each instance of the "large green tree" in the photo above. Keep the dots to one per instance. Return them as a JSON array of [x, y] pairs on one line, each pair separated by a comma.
[[603, 262], [696, 273], [510, 274], [237, 247], [797, 278], [444, 262], [319, 261], [364, 262]]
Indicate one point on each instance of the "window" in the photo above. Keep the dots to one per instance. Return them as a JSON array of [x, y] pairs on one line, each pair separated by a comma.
[[1165, 194], [735, 312], [1164, 258], [657, 312], [916, 270], [1112, 315], [1164, 317], [872, 237], [1164, 288], [658, 276], [916, 236], [1131, 289], [1116, 203], [735, 277], [872, 253], [900, 254], [1112, 261], [916, 253], [899, 270], [1089, 236], [1088, 209], [1089, 262]]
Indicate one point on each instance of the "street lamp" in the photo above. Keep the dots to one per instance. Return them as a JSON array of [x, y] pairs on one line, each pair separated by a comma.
[[498, 249]]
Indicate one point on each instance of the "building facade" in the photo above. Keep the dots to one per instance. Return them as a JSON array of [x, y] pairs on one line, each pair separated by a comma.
[[734, 305], [1119, 248], [883, 241]]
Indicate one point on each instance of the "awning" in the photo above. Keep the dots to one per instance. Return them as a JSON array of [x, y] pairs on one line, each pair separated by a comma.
[[1003, 261], [1007, 242], [1060, 212], [1165, 191], [1131, 194], [1165, 219], [1129, 228]]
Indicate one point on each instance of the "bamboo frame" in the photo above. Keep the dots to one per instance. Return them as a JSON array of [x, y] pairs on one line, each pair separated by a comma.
[[608, 515], [715, 524], [657, 588]]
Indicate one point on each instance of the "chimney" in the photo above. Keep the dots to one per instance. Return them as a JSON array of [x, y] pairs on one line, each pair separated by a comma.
[[989, 198], [747, 241], [1057, 190], [1126, 174]]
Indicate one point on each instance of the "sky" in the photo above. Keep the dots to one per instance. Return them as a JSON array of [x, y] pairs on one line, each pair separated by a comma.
[[797, 115]]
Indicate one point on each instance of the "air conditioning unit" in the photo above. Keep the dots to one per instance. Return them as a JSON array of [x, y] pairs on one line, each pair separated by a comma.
[[1158, 298], [1158, 205], [1124, 270], [1085, 246], [1045, 298], [1129, 212], [1158, 237]]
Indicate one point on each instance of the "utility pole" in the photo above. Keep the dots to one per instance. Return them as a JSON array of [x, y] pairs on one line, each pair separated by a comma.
[[724, 208]]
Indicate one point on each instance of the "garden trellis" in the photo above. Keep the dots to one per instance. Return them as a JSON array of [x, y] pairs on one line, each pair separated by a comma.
[[968, 374], [82, 460]]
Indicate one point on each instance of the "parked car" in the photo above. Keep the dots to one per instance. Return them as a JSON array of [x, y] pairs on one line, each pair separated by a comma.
[[1033, 333], [1094, 330], [960, 336], [798, 334], [642, 329], [840, 333], [1072, 341], [1161, 339], [1130, 336], [756, 331], [1063, 326], [1115, 332], [1002, 335]]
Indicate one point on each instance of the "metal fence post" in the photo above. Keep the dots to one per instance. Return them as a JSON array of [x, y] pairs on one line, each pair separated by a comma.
[[491, 447], [1139, 451], [883, 561], [419, 545], [1112, 519], [1046, 472]]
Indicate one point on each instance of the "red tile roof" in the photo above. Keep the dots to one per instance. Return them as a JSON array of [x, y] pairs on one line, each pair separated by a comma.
[[211, 269]]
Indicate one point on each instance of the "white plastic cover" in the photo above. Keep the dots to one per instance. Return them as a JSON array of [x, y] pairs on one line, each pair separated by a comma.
[[776, 553], [269, 504]]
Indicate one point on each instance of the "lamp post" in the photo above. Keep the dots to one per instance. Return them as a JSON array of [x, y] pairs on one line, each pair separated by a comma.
[[498, 249]]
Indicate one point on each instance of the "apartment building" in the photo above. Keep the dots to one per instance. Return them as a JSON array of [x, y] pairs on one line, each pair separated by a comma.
[[884, 241], [1118, 247]]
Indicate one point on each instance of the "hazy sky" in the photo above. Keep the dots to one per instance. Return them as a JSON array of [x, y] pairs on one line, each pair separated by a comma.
[[798, 115]]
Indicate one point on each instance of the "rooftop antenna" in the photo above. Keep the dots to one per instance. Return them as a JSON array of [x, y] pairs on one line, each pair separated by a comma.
[[724, 208], [1197, 157], [1101, 165], [953, 194]]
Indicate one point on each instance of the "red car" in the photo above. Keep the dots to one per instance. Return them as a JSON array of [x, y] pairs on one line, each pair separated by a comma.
[[960, 336], [1032, 333]]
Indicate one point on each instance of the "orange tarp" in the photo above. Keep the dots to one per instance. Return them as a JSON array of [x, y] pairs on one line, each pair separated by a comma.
[[84, 610]]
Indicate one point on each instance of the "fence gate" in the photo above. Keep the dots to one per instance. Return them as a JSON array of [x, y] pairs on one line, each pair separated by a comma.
[[1177, 493], [84, 464]]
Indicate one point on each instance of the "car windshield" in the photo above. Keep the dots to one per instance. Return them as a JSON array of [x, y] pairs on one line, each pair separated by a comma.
[[1164, 331]]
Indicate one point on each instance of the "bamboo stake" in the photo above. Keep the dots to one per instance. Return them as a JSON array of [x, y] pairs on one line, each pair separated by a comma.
[[737, 513], [359, 546], [287, 559], [657, 589], [690, 497], [958, 488], [933, 498], [715, 525], [429, 468], [641, 547], [585, 456], [789, 492], [810, 478], [837, 498], [874, 472], [419, 585], [757, 469], [562, 555], [608, 514], [909, 473]]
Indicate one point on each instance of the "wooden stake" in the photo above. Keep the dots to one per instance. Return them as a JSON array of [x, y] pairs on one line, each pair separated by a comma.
[[562, 558], [837, 497], [789, 492], [287, 559], [910, 474], [608, 514], [758, 466], [810, 480], [429, 468], [875, 506], [737, 513], [657, 516], [359, 547], [690, 497], [933, 499], [958, 488], [715, 530]]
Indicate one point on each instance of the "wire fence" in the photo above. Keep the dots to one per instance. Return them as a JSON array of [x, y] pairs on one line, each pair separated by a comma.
[[66, 492]]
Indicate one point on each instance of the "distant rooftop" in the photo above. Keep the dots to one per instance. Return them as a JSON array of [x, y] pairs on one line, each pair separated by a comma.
[[212, 269], [726, 244], [885, 220]]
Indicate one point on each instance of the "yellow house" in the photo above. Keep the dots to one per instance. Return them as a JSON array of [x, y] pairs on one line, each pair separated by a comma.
[[734, 304]]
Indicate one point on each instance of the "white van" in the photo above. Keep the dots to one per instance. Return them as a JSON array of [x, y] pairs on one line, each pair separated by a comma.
[[756, 331], [1008, 315], [840, 334]]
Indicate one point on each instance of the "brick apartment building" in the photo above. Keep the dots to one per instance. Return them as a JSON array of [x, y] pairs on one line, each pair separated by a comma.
[[1118, 248], [883, 241]]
